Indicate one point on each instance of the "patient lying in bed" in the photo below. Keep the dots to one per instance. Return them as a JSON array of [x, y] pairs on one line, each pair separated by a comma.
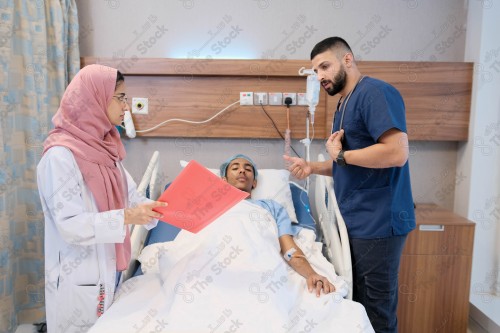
[[240, 171], [232, 277]]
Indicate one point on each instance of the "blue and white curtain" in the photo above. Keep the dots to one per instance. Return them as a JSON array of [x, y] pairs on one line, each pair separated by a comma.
[[39, 55]]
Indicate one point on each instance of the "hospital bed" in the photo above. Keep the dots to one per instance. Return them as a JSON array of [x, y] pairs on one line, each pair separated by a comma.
[[329, 228], [140, 299]]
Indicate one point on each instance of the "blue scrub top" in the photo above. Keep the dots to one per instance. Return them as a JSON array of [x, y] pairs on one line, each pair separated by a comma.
[[279, 213], [374, 203]]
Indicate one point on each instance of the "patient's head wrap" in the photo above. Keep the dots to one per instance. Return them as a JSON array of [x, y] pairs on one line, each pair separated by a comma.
[[223, 167]]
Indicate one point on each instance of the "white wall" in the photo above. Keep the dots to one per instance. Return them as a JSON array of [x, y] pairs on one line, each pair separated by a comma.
[[389, 30], [478, 197], [376, 30]]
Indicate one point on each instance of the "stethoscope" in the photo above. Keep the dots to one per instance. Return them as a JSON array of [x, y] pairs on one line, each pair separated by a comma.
[[344, 106]]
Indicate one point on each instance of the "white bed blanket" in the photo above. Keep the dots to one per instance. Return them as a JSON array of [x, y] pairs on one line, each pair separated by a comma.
[[230, 277]]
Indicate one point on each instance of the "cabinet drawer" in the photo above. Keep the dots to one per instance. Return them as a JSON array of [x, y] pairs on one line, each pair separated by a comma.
[[440, 239]]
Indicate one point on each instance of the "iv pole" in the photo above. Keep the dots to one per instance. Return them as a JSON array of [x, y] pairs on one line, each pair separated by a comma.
[[307, 144], [310, 114]]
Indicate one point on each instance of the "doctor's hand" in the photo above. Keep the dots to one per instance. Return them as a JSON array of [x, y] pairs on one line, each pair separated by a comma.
[[334, 144], [299, 168], [143, 213], [316, 282]]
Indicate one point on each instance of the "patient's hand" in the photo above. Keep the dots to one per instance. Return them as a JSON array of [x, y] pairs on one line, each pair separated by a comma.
[[143, 213], [316, 282], [299, 168]]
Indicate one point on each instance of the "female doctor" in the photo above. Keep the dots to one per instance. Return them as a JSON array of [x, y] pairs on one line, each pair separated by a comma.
[[88, 199]]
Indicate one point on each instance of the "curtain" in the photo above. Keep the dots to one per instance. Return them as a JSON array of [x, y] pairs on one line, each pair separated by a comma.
[[39, 55]]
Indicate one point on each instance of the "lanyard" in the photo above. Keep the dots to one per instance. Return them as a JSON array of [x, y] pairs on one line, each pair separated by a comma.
[[344, 106]]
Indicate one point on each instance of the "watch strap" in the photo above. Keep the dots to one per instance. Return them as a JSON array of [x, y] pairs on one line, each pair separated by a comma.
[[340, 159]]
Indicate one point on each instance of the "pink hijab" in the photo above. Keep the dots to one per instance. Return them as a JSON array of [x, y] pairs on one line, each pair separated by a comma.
[[82, 125]]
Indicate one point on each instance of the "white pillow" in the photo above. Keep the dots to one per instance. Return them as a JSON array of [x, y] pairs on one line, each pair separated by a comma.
[[271, 184]]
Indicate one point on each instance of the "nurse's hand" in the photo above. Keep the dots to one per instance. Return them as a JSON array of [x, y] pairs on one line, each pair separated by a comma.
[[316, 283], [299, 168], [334, 144], [143, 213]]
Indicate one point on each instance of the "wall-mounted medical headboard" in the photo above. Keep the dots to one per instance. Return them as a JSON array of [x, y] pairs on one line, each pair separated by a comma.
[[437, 96]]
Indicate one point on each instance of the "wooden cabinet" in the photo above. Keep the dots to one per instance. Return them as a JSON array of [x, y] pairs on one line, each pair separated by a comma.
[[435, 273]]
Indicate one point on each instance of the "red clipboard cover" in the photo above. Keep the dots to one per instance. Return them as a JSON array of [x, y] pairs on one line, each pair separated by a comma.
[[196, 198]]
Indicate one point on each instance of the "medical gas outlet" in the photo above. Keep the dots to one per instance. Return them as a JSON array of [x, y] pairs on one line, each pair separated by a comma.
[[139, 105]]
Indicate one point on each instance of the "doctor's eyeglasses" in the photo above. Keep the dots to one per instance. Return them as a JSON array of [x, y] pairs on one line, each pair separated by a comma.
[[121, 98]]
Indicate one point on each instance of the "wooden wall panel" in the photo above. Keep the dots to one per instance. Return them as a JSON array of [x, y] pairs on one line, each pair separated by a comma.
[[201, 98], [202, 67], [437, 95]]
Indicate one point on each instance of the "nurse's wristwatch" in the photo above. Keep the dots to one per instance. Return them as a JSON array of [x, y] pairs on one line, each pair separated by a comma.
[[340, 159]]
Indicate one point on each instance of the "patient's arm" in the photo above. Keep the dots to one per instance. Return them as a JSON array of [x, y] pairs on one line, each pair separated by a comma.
[[300, 264]]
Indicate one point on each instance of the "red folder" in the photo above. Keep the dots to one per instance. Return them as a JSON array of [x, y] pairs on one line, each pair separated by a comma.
[[196, 198]]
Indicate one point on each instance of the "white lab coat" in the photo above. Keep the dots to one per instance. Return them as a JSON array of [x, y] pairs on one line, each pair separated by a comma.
[[79, 242]]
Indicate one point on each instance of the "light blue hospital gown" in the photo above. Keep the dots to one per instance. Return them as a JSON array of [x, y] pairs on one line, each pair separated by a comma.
[[285, 226]]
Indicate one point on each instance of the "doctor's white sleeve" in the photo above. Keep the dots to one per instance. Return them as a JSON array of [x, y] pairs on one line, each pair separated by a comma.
[[69, 208]]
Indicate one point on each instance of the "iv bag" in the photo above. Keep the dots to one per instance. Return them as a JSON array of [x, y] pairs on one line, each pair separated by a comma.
[[312, 92]]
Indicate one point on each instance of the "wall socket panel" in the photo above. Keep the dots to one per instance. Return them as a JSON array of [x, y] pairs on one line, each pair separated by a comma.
[[246, 98], [301, 99], [293, 96], [275, 98], [272, 98], [259, 98]]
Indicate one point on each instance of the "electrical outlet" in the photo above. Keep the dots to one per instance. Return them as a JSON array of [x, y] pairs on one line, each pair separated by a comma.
[[275, 98], [139, 105], [246, 98], [260, 98], [293, 96], [301, 99]]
